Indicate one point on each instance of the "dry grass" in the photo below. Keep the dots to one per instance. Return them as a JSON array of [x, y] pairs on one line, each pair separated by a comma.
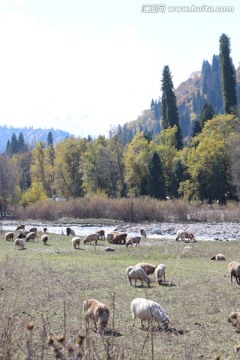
[[45, 286]]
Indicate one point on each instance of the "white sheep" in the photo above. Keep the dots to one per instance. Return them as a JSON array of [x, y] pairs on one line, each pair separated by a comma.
[[19, 243], [160, 273], [133, 240], [76, 242], [9, 236], [44, 239], [137, 273], [234, 270], [97, 312], [148, 310], [219, 257], [31, 236], [91, 237]]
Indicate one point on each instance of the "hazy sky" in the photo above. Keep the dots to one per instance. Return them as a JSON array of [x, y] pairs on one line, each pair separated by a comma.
[[84, 66]]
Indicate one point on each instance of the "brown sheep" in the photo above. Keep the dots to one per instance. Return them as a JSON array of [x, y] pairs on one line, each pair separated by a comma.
[[111, 235], [234, 319], [9, 236], [143, 233], [20, 244], [70, 231], [31, 236], [148, 268], [234, 270], [33, 229], [101, 234], [119, 238], [20, 227], [183, 235], [44, 229], [97, 312]]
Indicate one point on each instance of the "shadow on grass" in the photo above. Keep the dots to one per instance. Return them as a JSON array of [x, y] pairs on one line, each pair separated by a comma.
[[167, 283]]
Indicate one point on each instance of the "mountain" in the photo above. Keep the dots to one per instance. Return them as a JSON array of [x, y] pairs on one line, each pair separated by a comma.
[[30, 135], [202, 86]]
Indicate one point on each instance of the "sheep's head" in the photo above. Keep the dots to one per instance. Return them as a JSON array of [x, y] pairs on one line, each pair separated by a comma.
[[234, 320]]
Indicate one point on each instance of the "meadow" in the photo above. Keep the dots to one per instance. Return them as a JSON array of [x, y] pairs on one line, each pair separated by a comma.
[[45, 286]]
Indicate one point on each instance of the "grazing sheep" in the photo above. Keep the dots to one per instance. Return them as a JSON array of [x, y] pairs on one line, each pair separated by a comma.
[[19, 243], [148, 268], [76, 242], [160, 273], [70, 231], [119, 238], [183, 235], [234, 270], [101, 234], [33, 229], [9, 236], [234, 319], [20, 227], [133, 240], [219, 257], [91, 237], [137, 273], [111, 235], [148, 310], [23, 234], [97, 312], [44, 239], [31, 236], [143, 233], [44, 229]]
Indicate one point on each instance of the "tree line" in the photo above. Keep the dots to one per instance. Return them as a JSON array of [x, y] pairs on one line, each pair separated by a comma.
[[166, 165]]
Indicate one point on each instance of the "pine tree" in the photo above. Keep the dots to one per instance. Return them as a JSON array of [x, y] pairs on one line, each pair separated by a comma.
[[14, 144], [156, 180], [196, 128], [206, 113], [21, 143], [50, 139], [170, 116], [228, 76]]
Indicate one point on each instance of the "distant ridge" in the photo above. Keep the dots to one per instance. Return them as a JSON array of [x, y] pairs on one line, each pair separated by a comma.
[[30, 135]]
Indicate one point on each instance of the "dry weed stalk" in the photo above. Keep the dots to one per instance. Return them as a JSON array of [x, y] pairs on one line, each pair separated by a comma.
[[67, 352]]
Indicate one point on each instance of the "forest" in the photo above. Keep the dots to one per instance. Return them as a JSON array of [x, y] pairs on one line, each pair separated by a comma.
[[185, 150]]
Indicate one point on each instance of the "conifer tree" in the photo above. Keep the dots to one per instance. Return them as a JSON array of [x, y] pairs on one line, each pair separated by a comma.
[[196, 128], [21, 143], [206, 113], [170, 116], [228, 76], [50, 138], [156, 180]]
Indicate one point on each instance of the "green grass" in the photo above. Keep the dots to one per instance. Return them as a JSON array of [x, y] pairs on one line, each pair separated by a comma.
[[48, 284]]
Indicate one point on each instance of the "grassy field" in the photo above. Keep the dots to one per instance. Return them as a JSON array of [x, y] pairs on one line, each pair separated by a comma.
[[48, 284]]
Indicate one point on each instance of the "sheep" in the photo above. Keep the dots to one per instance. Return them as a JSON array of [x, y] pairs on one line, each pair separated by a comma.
[[101, 234], [70, 231], [183, 235], [218, 257], [44, 229], [148, 268], [149, 310], [160, 273], [137, 273], [97, 312], [33, 229], [9, 236], [143, 233], [234, 270], [44, 239], [19, 243], [31, 236], [234, 319], [20, 227], [119, 238], [133, 240], [110, 236], [23, 234], [76, 242], [91, 237]]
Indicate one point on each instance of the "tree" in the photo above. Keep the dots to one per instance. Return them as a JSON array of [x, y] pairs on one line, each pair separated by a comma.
[[170, 116], [197, 128], [228, 76], [8, 180], [207, 113], [50, 139], [156, 180]]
